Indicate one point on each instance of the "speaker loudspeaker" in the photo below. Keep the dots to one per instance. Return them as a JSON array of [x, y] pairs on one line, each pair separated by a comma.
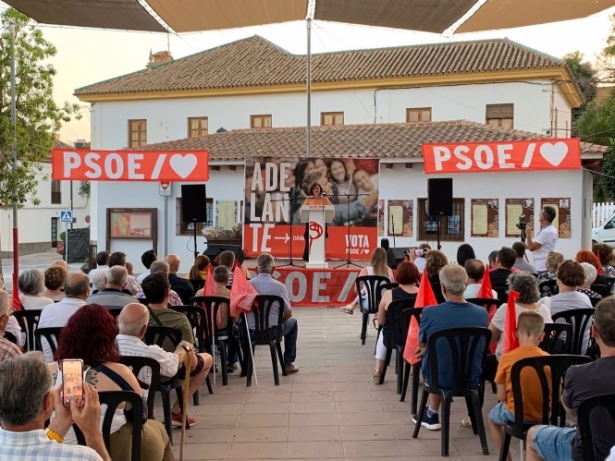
[[194, 203], [440, 196]]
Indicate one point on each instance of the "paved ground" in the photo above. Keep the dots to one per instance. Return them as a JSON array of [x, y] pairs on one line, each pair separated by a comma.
[[331, 409], [37, 260]]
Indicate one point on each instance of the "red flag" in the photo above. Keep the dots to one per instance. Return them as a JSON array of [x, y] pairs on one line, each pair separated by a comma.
[[424, 298], [242, 293], [210, 284], [485, 290], [510, 341]]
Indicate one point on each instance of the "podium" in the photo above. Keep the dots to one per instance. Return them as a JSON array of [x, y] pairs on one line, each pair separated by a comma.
[[317, 216]]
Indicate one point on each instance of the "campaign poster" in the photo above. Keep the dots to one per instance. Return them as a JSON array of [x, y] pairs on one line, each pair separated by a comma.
[[276, 187]]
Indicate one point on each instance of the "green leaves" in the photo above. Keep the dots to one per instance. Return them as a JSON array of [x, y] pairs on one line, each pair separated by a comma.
[[38, 116]]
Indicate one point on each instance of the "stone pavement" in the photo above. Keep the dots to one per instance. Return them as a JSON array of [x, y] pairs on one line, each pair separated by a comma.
[[330, 410]]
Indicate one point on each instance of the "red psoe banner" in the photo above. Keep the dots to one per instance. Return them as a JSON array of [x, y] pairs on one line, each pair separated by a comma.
[[547, 154], [87, 165]]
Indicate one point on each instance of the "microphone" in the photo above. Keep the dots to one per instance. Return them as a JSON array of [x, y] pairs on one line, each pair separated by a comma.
[[323, 195]]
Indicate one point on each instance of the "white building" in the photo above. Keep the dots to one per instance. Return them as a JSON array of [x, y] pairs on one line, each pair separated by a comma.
[[254, 84], [39, 225]]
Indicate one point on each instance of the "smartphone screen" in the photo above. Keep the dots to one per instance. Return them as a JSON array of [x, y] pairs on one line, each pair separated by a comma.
[[418, 252], [72, 381]]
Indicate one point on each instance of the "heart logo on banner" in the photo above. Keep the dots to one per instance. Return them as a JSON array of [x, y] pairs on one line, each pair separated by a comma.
[[183, 165], [554, 153]]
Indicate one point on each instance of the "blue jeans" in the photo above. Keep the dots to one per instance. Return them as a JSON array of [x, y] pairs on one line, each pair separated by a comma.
[[500, 415], [554, 443], [290, 331]]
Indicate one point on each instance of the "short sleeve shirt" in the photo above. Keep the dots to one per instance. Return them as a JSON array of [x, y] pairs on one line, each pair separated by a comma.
[[547, 237], [172, 319], [500, 315], [585, 381], [530, 384]]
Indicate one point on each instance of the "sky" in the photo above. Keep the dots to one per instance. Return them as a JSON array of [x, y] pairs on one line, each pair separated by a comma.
[[87, 56]]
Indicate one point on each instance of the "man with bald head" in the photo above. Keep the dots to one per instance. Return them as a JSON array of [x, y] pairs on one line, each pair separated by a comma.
[[60, 262], [113, 296], [132, 323], [76, 291], [182, 286]]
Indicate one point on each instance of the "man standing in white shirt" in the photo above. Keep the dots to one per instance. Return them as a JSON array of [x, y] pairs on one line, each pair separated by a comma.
[[546, 239], [76, 291]]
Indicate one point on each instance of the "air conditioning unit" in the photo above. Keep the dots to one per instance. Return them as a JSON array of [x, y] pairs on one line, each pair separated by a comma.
[[81, 144]]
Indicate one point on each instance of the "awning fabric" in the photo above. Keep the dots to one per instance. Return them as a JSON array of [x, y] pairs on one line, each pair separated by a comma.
[[101, 14], [507, 14], [197, 15]]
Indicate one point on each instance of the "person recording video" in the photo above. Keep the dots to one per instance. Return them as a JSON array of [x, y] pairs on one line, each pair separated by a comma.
[[546, 239]]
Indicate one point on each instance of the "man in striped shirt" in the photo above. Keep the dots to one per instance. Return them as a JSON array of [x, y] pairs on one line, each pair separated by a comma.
[[132, 324]]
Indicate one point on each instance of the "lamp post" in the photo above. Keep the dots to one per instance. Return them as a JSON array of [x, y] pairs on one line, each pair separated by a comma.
[[14, 165]]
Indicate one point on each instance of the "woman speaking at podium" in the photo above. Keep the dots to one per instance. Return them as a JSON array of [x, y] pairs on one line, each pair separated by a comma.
[[315, 197]]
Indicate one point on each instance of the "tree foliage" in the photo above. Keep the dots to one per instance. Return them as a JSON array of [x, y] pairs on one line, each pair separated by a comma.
[[586, 77], [38, 116]]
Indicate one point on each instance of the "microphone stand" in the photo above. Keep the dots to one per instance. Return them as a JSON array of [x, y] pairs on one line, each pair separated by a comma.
[[348, 261], [393, 225], [291, 261]]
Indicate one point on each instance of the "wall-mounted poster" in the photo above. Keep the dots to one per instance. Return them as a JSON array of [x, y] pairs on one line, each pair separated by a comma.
[[485, 217], [400, 218], [515, 208], [562, 215], [380, 218], [132, 223]]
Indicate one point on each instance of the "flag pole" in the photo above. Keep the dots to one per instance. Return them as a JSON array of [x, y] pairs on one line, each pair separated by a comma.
[[245, 319]]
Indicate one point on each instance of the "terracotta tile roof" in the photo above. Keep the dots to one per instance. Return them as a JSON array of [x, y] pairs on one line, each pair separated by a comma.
[[256, 62], [387, 141], [62, 145]]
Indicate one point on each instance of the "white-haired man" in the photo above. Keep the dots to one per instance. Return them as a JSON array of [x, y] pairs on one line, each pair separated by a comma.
[[113, 296], [265, 284]]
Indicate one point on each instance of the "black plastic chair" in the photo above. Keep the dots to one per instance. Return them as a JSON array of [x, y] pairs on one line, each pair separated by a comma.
[[138, 364], [113, 399], [467, 346], [393, 320], [51, 335], [197, 284], [115, 311], [405, 319], [553, 412], [373, 288], [602, 288], [490, 304], [10, 337], [557, 338], [143, 301], [211, 333], [584, 418], [502, 294], [159, 336], [548, 288], [184, 294], [261, 335], [28, 321], [595, 301], [580, 319]]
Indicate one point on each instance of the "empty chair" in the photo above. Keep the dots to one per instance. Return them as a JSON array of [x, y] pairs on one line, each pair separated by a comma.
[[373, 294]]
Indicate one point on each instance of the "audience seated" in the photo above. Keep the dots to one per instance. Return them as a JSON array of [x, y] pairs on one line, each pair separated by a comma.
[[184, 287], [119, 259], [520, 263], [102, 262], [113, 296], [505, 261], [476, 271], [570, 275], [554, 259], [491, 259], [94, 325], [198, 271], [590, 277], [408, 278], [76, 291], [378, 266], [8, 350], [552, 443], [100, 280], [604, 252], [31, 283], [54, 282], [132, 323], [162, 267], [156, 289], [465, 252], [265, 284], [435, 260], [455, 312], [147, 259], [27, 401], [586, 256], [526, 285], [530, 332]]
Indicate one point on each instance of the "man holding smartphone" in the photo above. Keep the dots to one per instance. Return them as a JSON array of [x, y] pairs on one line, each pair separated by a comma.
[[27, 400]]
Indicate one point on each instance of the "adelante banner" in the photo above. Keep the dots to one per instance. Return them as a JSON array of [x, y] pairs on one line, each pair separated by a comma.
[[539, 154], [276, 187], [169, 166]]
